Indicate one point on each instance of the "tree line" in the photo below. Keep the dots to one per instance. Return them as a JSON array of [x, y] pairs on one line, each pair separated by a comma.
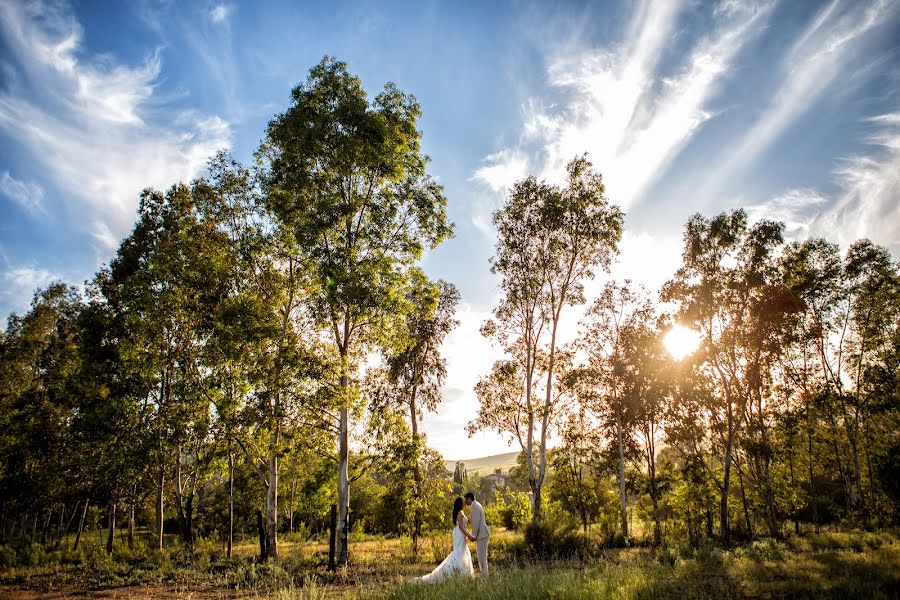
[[790, 398], [264, 344]]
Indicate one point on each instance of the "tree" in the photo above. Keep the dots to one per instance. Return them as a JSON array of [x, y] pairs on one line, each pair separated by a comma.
[[729, 291], [610, 382], [550, 240], [346, 176], [576, 482], [415, 372]]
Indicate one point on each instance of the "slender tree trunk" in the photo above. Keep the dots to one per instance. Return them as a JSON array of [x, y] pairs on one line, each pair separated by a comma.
[[272, 492], [261, 530], [45, 528], [332, 538], [131, 515], [81, 524], [65, 532], [159, 507], [417, 476], [744, 502], [793, 486], [623, 497], [724, 532], [111, 526], [59, 526], [291, 507], [654, 497], [183, 524], [34, 528], [529, 438], [343, 524], [230, 497], [545, 418]]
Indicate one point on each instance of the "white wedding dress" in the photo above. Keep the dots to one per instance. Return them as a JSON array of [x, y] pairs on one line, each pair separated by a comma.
[[459, 562]]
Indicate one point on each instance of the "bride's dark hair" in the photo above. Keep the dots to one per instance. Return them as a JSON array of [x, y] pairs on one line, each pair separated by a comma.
[[457, 506]]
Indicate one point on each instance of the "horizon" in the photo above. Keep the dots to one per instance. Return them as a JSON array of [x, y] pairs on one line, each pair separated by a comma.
[[790, 110]]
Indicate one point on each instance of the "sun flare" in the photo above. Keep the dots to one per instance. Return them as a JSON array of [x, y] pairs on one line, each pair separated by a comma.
[[681, 341]]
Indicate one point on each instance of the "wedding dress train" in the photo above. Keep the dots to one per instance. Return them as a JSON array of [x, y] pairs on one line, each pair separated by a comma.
[[459, 561]]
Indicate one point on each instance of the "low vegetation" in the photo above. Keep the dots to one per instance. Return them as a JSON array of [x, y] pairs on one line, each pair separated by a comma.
[[826, 565]]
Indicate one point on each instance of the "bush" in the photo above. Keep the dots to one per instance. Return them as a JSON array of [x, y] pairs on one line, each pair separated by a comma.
[[547, 540], [509, 508], [8, 557]]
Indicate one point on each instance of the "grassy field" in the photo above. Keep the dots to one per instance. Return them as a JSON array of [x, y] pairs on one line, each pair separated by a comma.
[[828, 565]]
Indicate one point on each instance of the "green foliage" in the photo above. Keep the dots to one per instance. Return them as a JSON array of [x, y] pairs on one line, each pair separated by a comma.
[[509, 508]]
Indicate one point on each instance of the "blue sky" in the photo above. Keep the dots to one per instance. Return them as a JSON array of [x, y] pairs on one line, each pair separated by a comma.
[[790, 109]]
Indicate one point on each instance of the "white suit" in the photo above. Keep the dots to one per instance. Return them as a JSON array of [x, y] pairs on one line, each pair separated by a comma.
[[482, 534]]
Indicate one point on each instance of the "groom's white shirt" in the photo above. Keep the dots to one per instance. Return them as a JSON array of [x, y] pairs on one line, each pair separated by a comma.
[[480, 529]]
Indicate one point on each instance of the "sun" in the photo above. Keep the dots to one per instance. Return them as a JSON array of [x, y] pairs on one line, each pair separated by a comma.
[[681, 341]]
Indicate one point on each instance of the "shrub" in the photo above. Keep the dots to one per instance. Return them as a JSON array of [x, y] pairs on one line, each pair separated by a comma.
[[554, 540], [8, 557]]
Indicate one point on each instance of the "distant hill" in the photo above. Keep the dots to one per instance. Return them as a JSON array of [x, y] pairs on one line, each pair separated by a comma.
[[487, 464]]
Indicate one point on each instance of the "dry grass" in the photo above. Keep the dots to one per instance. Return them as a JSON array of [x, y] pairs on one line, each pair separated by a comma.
[[831, 565]]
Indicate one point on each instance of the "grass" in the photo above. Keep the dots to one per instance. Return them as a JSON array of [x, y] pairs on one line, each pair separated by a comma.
[[823, 566]]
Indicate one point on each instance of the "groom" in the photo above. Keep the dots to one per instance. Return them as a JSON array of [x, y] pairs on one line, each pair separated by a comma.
[[480, 532]]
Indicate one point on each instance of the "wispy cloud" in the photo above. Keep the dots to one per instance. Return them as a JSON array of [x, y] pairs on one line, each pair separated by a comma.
[[220, 13], [868, 206], [796, 208], [28, 194], [865, 207], [630, 119], [19, 285], [95, 125], [816, 63]]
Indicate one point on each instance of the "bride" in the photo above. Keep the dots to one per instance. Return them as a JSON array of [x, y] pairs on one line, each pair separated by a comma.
[[459, 562]]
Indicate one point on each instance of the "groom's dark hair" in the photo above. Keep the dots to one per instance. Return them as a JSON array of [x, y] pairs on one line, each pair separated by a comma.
[[470, 496]]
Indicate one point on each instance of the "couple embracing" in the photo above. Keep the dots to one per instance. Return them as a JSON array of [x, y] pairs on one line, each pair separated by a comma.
[[459, 562]]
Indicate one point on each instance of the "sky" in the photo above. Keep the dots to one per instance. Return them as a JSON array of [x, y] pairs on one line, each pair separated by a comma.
[[789, 109]]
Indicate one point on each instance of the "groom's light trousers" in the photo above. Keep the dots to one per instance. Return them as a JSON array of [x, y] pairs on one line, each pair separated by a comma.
[[481, 549]]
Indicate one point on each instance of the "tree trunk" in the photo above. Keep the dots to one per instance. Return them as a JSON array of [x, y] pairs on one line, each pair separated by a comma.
[[744, 502], [291, 507], [343, 525], [131, 514], [65, 532], [261, 530], [111, 526], [724, 532], [417, 477], [81, 525], [59, 526], [230, 497], [159, 508], [183, 505], [45, 528], [272, 494], [332, 537], [623, 497]]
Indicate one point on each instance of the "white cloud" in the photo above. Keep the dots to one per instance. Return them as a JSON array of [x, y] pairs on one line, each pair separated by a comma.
[[19, 285], [816, 62], [502, 169], [220, 13], [28, 194], [94, 124], [629, 119], [865, 207], [868, 205], [796, 208]]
